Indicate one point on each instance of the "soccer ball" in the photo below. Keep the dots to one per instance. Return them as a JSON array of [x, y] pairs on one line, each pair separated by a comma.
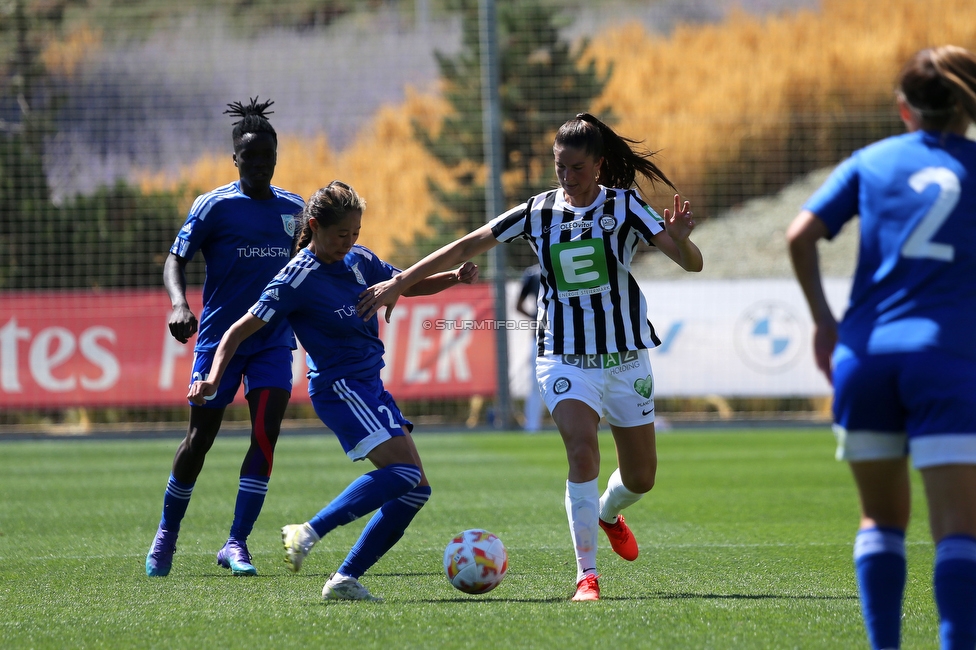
[[475, 561]]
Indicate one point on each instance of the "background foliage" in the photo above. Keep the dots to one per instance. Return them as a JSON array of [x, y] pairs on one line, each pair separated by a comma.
[[736, 108]]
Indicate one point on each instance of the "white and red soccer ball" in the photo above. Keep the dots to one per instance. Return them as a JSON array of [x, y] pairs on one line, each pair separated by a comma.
[[475, 561]]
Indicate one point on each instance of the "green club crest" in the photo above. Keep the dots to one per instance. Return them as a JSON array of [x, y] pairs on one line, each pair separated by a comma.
[[644, 387]]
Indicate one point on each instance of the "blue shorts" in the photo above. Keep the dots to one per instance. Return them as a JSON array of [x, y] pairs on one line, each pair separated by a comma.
[[361, 413], [919, 403], [268, 368]]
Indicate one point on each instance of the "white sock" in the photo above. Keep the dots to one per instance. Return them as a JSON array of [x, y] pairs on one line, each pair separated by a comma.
[[582, 505], [616, 498], [313, 537]]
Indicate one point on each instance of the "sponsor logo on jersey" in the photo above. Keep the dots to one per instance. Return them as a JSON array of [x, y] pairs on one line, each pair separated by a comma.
[[187, 228], [348, 310], [263, 251], [608, 223], [359, 276], [561, 386], [569, 225], [288, 221], [580, 268], [272, 293], [654, 215]]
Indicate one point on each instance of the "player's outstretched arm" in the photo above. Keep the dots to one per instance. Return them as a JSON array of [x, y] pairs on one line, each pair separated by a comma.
[[675, 239], [231, 340], [182, 322], [467, 273], [802, 237], [386, 294]]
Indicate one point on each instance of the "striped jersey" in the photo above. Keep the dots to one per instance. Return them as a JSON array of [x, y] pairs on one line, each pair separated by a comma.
[[915, 284], [319, 300], [244, 242], [589, 302]]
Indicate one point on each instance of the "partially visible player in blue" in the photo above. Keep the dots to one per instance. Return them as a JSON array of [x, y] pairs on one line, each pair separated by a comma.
[[903, 360], [246, 232], [317, 294]]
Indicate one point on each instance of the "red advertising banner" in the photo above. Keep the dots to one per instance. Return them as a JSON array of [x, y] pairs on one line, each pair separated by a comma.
[[113, 348]]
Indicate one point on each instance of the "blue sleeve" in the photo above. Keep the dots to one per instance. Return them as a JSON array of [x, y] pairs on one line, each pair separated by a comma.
[[836, 202], [194, 232], [277, 301], [380, 271]]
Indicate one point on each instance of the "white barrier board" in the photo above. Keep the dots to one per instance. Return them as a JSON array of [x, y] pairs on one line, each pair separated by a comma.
[[733, 338]]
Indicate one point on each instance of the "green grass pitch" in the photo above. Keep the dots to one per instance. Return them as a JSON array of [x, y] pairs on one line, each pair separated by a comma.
[[746, 542]]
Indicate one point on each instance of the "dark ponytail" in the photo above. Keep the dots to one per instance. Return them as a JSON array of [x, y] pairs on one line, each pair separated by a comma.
[[621, 162]]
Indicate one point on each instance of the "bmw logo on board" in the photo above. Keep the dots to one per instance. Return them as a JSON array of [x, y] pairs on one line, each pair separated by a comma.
[[769, 337]]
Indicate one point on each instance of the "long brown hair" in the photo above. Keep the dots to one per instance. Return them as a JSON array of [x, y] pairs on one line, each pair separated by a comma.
[[621, 161]]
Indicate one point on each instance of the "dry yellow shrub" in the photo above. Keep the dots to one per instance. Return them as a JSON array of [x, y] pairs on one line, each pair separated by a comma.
[[699, 93], [62, 57], [385, 164]]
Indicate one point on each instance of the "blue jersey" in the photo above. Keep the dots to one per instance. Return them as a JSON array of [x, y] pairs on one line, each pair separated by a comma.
[[244, 243], [319, 300], [915, 284]]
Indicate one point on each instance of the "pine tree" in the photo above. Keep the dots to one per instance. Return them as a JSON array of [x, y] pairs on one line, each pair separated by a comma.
[[543, 82], [115, 237]]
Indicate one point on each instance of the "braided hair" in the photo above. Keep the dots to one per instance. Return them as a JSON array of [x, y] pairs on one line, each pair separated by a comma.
[[254, 119], [621, 162], [328, 205]]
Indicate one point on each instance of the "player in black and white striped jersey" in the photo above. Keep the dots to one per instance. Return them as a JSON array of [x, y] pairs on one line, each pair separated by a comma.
[[593, 359], [591, 307]]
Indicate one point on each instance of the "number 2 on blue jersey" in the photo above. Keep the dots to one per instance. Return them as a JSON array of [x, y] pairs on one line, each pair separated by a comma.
[[919, 244]]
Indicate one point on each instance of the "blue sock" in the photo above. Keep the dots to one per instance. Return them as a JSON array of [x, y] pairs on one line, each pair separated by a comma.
[[383, 531], [955, 591], [879, 561], [250, 498], [366, 494], [175, 501]]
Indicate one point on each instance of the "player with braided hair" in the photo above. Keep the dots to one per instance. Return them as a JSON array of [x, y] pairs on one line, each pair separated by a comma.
[[246, 232]]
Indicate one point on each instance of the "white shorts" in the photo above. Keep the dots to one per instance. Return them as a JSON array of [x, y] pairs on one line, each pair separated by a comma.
[[619, 385], [926, 451]]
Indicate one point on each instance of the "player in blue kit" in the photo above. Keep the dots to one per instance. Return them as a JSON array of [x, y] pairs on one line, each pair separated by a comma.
[[317, 294], [903, 359], [246, 232]]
